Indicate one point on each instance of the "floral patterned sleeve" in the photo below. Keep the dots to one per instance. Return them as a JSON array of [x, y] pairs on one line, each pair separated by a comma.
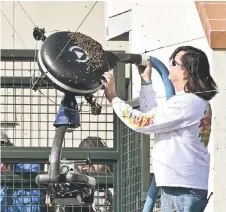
[[173, 115]]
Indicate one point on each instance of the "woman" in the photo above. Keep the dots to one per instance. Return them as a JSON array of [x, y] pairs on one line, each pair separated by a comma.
[[180, 159]]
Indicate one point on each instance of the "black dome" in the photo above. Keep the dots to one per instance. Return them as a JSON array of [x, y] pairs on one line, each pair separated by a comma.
[[80, 65]]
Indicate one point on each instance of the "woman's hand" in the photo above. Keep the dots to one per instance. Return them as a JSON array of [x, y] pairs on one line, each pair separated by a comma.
[[110, 91], [145, 72]]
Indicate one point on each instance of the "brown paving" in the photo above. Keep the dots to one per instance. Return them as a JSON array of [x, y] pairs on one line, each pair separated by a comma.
[[213, 17]]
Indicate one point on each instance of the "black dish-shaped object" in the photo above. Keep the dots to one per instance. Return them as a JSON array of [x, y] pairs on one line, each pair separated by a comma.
[[73, 62]]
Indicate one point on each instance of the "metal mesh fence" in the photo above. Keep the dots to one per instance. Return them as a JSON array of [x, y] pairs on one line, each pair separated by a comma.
[[135, 153], [27, 119], [33, 113], [131, 170], [19, 191]]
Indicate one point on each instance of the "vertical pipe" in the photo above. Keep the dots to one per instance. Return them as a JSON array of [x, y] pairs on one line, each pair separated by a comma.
[[55, 155]]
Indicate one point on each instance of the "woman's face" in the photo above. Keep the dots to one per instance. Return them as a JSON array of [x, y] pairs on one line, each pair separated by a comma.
[[176, 70]]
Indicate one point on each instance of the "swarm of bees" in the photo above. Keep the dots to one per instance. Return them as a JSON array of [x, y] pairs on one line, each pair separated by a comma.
[[94, 49]]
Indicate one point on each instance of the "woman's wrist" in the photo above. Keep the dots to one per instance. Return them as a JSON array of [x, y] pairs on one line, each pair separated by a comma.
[[112, 97], [146, 82]]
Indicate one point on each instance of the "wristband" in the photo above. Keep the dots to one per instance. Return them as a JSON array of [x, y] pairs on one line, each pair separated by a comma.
[[146, 82]]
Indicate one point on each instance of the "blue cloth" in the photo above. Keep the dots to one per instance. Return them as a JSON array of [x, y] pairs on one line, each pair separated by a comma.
[[21, 200], [151, 197], [170, 91], [183, 199]]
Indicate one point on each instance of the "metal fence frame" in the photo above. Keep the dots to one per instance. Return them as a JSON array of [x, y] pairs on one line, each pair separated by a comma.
[[112, 155]]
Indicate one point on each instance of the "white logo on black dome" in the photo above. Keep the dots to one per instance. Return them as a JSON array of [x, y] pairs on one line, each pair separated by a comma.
[[80, 54]]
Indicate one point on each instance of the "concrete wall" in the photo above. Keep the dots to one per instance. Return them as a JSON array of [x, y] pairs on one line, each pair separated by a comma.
[[219, 133], [34, 128], [170, 24], [53, 16]]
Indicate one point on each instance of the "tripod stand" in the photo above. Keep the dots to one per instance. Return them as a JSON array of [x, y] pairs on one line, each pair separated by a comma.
[[65, 185]]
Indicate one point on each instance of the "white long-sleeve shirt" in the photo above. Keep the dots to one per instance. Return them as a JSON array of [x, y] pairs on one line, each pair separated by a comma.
[[179, 155]]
